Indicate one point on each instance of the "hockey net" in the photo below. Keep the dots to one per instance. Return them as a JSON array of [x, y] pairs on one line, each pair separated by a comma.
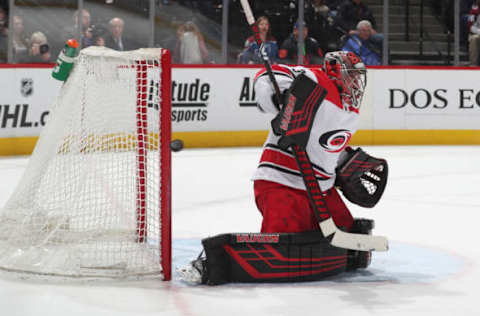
[[94, 201]]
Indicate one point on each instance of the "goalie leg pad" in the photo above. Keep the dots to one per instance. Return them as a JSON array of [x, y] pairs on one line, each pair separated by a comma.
[[287, 257], [250, 257]]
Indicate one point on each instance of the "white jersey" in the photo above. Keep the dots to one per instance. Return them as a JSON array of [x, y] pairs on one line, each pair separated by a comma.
[[333, 126]]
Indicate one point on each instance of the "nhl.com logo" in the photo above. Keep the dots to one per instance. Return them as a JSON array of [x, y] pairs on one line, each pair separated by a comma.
[[26, 87]]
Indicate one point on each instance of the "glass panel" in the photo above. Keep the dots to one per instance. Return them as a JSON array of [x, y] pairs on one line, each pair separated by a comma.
[[40, 28], [422, 32], [469, 33], [3, 31], [357, 26], [281, 31], [120, 24], [191, 30], [280, 18]]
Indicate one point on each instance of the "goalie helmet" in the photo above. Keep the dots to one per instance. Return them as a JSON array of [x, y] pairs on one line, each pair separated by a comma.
[[348, 72]]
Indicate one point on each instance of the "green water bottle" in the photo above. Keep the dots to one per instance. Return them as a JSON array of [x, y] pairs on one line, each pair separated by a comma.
[[65, 60]]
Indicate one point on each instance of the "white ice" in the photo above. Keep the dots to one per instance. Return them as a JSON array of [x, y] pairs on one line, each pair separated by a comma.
[[430, 212]]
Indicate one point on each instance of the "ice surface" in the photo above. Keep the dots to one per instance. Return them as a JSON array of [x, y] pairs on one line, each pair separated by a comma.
[[430, 212]]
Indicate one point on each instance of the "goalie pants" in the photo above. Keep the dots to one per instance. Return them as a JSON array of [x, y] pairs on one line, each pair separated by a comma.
[[288, 210]]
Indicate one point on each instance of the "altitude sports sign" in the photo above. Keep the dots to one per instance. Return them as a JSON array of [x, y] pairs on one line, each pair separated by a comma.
[[215, 99], [190, 100]]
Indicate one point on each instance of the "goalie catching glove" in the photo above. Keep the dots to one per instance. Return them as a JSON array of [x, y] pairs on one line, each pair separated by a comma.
[[361, 177]]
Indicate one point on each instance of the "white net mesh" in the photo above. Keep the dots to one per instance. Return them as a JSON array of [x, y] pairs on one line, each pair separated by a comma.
[[89, 202]]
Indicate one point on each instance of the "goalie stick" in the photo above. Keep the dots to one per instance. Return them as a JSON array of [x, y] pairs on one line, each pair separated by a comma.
[[292, 133]]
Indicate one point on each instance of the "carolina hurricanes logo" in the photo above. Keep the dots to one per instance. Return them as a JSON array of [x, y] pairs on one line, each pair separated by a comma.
[[335, 141]]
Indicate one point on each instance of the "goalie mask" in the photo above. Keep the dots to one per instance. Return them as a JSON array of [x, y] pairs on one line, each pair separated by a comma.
[[348, 72]]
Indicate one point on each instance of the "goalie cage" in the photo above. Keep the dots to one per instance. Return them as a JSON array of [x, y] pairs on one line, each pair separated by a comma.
[[94, 201]]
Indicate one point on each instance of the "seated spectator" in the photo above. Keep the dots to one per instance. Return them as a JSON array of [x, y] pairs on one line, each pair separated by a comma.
[[333, 6], [465, 19], [115, 40], [190, 48], [97, 34], [86, 39], [321, 25], [39, 49], [350, 13], [99, 41], [474, 34], [366, 43], [251, 54], [320, 8], [71, 31], [312, 53], [20, 41], [473, 12], [3, 35]]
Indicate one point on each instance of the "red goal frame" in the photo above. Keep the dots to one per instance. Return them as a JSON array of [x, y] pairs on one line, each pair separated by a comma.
[[164, 92]]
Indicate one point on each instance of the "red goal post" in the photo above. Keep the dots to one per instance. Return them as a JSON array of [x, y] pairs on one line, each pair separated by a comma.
[[165, 165]]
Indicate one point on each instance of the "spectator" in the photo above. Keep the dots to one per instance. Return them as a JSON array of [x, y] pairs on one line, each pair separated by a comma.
[[97, 33], [333, 5], [99, 41], [39, 49], [167, 39], [3, 35], [366, 43], [321, 22], [190, 48], [443, 9], [474, 34], [20, 41], [312, 53], [320, 8], [466, 19], [72, 30], [171, 41], [115, 39], [473, 12], [350, 13], [251, 54]]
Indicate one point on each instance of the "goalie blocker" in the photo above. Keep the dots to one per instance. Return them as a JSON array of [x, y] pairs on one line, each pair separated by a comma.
[[275, 257]]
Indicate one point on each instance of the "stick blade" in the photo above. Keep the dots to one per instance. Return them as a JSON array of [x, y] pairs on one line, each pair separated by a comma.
[[359, 241]]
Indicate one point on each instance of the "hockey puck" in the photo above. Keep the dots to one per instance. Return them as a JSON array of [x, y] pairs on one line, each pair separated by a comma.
[[176, 145]]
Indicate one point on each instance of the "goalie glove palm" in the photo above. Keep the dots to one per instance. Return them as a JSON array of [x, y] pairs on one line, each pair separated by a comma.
[[362, 178]]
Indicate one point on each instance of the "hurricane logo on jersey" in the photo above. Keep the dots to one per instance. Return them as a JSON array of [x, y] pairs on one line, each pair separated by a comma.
[[335, 141]]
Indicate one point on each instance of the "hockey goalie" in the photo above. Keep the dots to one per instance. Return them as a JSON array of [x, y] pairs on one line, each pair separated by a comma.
[[292, 246]]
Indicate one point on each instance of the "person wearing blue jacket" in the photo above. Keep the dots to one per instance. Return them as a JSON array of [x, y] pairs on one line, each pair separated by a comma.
[[251, 54], [366, 43]]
